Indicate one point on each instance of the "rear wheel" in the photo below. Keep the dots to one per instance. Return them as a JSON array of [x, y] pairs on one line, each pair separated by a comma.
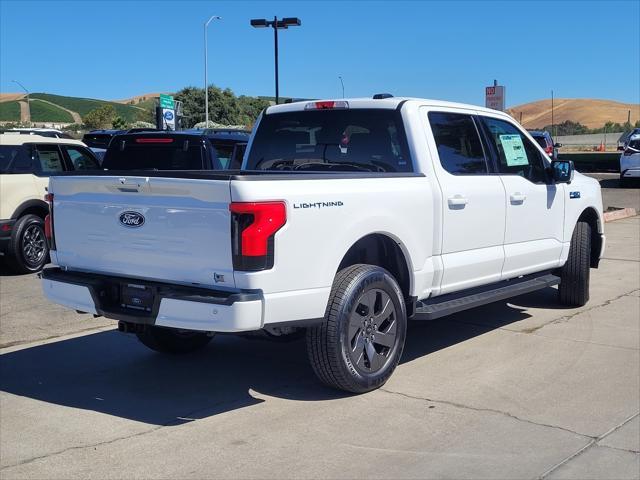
[[169, 340], [360, 342], [28, 251], [574, 275]]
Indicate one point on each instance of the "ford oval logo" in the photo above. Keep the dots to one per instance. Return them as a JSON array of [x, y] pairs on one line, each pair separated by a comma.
[[132, 219]]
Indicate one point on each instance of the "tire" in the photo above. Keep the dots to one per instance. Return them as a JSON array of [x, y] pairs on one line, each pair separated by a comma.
[[574, 274], [169, 340], [28, 250], [359, 344]]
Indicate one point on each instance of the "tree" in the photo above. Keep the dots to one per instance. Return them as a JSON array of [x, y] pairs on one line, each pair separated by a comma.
[[224, 107], [101, 117], [119, 123]]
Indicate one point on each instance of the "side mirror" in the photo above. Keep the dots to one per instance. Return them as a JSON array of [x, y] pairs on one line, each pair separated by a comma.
[[562, 171], [557, 145]]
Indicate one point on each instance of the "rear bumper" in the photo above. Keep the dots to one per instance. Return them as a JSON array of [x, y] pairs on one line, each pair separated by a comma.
[[631, 173], [173, 306]]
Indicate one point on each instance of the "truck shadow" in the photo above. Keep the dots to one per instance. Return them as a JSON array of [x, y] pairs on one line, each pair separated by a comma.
[[112, 373]]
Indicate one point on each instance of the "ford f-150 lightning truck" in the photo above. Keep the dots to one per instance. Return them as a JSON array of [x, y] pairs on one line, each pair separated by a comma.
[[348, 218]]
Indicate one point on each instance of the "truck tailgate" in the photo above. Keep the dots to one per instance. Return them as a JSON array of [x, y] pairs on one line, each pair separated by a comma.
[[167, 229]]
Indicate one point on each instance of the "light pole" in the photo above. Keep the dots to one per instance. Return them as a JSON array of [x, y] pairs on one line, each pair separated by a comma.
[[206, 81], [27, 92], [276, 24], [341, 83]]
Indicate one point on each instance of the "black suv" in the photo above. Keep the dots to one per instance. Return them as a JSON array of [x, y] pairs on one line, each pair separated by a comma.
[[186, 150]]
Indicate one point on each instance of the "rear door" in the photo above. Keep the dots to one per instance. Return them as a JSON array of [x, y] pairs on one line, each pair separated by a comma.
[[47, 160], [535, 207], [167, 229], [473, 203]]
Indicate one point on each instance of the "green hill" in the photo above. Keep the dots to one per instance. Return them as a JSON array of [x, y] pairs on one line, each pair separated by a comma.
[[85, 105], [10, 111], [45, 112]]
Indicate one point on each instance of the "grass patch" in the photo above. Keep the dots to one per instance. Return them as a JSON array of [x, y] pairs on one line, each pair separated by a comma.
[[85, 105], [10, 111], [45, 112]]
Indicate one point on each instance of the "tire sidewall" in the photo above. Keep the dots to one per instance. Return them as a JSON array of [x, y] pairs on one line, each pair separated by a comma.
[[373, 278]]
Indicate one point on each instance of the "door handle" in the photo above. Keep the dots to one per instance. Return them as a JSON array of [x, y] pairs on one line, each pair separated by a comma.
[[457, 201], [518, 197]]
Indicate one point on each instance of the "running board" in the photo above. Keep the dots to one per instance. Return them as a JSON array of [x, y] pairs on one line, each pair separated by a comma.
[[443, 305]]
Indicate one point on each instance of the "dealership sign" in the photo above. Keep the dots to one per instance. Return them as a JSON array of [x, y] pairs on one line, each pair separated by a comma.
[[169, 119], [494, 97]]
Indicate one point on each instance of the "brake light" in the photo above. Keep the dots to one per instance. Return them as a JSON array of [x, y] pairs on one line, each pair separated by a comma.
[[549, 150], [48, 223], [253, 228], [154, 140], [326, 105]]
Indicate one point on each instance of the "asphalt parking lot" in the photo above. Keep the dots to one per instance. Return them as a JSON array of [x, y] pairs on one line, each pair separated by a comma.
[[520, 389]]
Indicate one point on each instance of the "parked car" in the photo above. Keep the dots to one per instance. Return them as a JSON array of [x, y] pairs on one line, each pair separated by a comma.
[[348, 218], [630, 161], [100, 138], [161, 150], [624, 138], [546, 142], [26, 162], [43, 132]]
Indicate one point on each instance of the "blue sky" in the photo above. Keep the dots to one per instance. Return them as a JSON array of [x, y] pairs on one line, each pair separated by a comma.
[[444, 50]]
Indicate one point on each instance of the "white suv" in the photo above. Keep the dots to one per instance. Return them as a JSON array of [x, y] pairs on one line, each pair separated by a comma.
[[26, 162]]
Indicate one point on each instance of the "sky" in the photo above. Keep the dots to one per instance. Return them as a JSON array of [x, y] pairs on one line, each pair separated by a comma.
[[442, 50]]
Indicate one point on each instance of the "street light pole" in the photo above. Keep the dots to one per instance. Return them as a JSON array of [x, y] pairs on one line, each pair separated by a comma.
[[27, 92], [206, 81], [276, 24], [341, 83], [552, 124]]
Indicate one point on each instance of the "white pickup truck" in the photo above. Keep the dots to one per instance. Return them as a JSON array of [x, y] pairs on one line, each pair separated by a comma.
[[348, 218]]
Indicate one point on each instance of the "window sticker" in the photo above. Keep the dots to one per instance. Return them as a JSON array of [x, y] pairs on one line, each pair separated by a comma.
[[514, 150]]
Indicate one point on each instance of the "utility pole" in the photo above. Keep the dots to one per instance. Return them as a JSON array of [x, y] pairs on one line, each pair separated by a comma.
[[342, 83], [552, 122]]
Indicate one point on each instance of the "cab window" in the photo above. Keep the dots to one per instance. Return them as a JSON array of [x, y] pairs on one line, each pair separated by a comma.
[[516, 154], [458, 143]]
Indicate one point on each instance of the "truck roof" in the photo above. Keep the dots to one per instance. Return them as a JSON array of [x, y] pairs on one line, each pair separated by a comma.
[[382, 103]]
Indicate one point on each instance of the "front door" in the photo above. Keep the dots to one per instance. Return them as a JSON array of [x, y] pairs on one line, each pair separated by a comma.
[[535, 206]]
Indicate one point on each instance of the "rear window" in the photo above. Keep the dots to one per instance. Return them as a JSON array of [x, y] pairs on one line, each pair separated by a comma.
[[100, 140], [14, 158], [153, 156], [331, 140]]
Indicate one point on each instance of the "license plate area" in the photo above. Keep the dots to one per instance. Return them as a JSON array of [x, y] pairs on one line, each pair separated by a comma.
[[137, 297]]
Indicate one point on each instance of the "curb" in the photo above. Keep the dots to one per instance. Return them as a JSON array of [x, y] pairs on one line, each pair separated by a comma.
[[619, 214]]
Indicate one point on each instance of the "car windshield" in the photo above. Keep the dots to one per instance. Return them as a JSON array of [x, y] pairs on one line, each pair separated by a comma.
[[153, 156], [331, 140]]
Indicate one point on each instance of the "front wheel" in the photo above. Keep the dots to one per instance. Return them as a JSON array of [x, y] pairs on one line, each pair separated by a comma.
[[360, 342], [574, 274], [169, 340]]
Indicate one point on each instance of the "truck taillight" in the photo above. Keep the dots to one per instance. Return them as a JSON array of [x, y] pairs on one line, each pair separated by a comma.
[[549, 150], [253, 228], [48, 223]]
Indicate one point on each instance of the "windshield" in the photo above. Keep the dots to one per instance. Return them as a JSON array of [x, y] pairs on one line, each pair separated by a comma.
[[153, 157], [327, 140]]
